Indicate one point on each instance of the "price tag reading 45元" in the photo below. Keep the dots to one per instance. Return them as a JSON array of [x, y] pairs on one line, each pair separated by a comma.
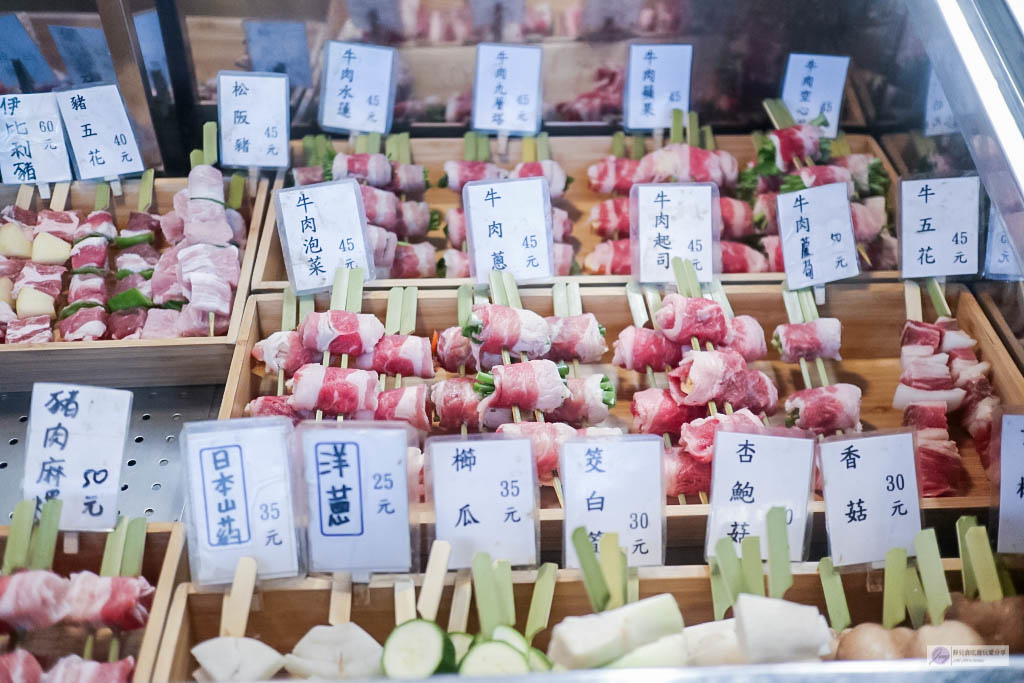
[[240, 497], [507, 89], [76, 437], [508, 227], [253, 119], [485, 498], [674, 219], [939, 226], [657, 81], [752, 474], [615, 486], [871, 496], [356, 476], [358, 92]]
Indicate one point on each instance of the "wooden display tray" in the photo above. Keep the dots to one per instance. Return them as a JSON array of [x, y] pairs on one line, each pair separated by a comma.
[[164, 564], [575, 154], [284, 610], [134, 362], [872, 314], [996, 298]]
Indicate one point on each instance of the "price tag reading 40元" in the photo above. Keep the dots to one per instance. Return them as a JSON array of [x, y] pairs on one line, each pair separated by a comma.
[[657, 81], [752, 474], [240, 497], [817, 235], [322, 228], [1010, 538], [32, 135], [508, 227], [76, 437], [100, 132], [674, 219], [507, 89], [485, 498], [615, 486], [813, 85], [939, 226], [358, 92], [253, 119], [356, 476], [871, 496]]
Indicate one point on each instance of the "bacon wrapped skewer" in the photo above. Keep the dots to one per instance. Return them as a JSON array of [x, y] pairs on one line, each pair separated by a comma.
[[656, 412], [563, 255], [576, 337], [813, 176], [457, 403], [868, 218], [382, 207], [612, 174], [737, 218], [74, 669], [786, 145], [414, 261], [408, 179], [340, 332], [384, 244], [453, 263], [740, 258], [34, 329], [868, 174], [458, 173], [372, 169], [405, 404], [101, 224], [684, 474], [19, 666], [825, 409], [90, 252], [270, 406], [335, 391], [550, 170], [698, 436], [546, 439], [533, 385], [455, 227], [820, 338], [588, 402], [87, 323], [638, 348], [493, 328], [34, 599], [610, 219], [454, 350], [746, 337], [121, 602], [681, 318], [685, 163], [283, 350], [765, 215], [721, 376], [609, 258], [399, 354]]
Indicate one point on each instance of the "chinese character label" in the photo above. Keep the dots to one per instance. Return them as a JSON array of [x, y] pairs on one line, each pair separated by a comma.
[[508, 226], [280, 46], [322, 228], [939, 226], [101, 135], [253, 119], [359, 498], [240, 497], [814, 85], [76, 437], [358, 90], [657, 81], [32, 146], [507, 89], [669, 220], [871, 498], [1001, 261], [817, 236], [752, 474], [615, 485], [1011, 485], [485, 498], [938, 117]]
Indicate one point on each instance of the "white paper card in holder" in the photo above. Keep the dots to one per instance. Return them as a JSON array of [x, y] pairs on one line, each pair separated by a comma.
[[1001, 261], [1010, 538], [674, 219], [507, 92], [813, 86], [871, 496], [485, 498], [32, 148], [100, 133], [76, 437], [615, 486], [508, 227], [939, 226], [657, 81], [358, 494], [752, 474], [253, 119], [358, 91], [818, 246], [240, 497], [322, 227], [938, 115]]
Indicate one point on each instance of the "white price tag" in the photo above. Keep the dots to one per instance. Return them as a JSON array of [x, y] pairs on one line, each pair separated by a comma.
[[358, 92], [752, 474], [657, 81], [817, 235], [253, 119], [674, 219], [871, 496], [814, 85], [615, 486], [507, 92], [101, 134], [1001, 261], [485, 498], [508, 227], [358, 488], [240, 497], [76, 437], [1011, 484], [939, 226], [938, 116], [32, 140], [322, 227]]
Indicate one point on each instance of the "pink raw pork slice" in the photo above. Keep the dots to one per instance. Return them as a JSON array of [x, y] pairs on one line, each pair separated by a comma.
[[209, 293], [60, 224], [194, 322], [165, 282], [207, 258], [172, 225], [127, 324], [161, 323], [86, 324]]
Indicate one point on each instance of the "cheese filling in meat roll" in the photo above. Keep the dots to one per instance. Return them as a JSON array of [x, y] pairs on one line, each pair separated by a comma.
[[399, 354], [533, 385], [683, 318], [576, 337], [638, 348], [820, 338], [705, 376], [493, 328], [340, 332], [825, 409], [373, 169], [546, 439], [588, 402], [405, 404], [336, 391]]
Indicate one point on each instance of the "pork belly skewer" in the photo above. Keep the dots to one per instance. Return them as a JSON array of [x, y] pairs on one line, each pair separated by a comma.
[[32, 596]]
